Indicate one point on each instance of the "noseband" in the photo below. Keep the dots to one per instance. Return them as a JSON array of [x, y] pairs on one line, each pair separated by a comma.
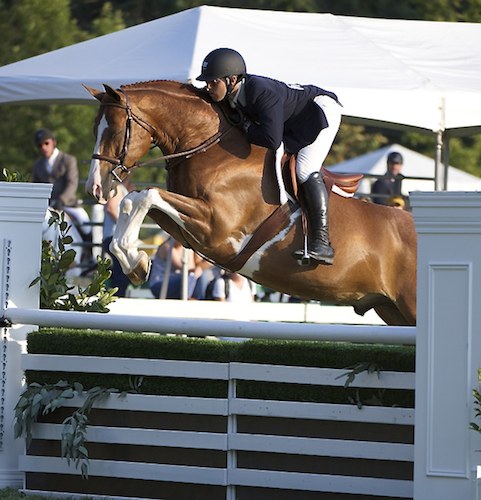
[[131, 116]]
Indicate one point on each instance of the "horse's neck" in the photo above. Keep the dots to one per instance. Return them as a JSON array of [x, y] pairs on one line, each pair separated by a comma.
[[182, 121]]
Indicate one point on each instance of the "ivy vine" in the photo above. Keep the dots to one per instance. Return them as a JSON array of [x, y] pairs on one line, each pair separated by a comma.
[[40, 399], [377, 398]]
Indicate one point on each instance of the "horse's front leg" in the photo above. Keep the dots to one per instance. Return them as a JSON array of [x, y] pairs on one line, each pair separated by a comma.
[[133, 210]]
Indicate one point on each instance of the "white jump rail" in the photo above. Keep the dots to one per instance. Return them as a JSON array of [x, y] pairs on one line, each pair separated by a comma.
[[213, 327]]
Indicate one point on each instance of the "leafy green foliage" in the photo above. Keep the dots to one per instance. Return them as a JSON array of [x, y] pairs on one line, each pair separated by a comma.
[[12, 176], [357, 369], [26, 27], [55, 291], [43, 399], [477, 410], [477, 405]]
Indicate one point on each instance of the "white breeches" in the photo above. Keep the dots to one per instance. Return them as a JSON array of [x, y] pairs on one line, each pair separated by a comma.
[[311, 157], [79, 217]]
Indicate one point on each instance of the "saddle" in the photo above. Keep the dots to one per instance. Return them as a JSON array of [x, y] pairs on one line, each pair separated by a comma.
[[346, 183]]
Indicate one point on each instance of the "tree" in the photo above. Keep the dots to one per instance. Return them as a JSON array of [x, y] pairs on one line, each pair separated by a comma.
[[27, 31], [25, 25]]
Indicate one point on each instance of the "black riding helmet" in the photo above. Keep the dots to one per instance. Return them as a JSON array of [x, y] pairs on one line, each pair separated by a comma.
[[221, 63]]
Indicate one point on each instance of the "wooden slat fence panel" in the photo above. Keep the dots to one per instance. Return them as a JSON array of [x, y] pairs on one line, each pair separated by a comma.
[[126, 366], [141, 437], [320, 482], [320, 376], [133, 470], [322, 411], [232, 448], [323, 447]]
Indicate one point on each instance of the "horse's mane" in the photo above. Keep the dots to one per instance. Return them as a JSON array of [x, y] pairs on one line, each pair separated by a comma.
[[178, 89], [166, 85]]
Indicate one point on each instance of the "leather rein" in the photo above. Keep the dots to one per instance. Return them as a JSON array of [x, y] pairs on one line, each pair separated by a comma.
[[132, 117]]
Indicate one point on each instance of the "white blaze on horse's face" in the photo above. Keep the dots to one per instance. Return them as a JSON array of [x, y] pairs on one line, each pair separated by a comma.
[[100, 188]]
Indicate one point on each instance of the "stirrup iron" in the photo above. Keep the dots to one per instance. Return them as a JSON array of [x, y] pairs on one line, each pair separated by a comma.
[[304, 259]]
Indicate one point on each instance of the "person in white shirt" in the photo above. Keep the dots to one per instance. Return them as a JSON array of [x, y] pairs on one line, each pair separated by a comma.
[[233, 287]]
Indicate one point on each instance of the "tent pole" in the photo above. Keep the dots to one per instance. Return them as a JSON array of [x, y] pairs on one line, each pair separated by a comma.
[[440, 180], [445, 160], [437, 161]]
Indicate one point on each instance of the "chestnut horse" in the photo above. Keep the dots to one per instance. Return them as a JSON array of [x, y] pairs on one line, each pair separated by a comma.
[[221, 189]]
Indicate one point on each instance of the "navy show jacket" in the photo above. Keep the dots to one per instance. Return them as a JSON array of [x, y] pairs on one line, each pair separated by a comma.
[[281, 112]]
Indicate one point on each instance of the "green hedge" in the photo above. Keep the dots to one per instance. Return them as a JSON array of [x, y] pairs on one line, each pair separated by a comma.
[[295, 353]]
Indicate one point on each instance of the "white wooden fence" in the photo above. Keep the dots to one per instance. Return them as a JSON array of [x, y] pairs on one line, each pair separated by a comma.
[[448, 354], [239, 447]]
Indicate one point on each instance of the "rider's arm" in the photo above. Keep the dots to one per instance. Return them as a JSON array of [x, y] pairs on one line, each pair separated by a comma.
[[265, 110], [268, 129]]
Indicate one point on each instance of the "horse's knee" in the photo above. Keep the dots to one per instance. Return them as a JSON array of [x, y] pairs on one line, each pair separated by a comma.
[[115, 249], [126, 206]]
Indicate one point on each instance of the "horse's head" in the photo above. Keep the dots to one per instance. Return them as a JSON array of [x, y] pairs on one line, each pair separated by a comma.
[[116, 150]]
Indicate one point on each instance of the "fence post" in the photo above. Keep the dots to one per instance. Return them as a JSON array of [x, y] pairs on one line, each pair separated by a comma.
[[448, 343], [22, 211]]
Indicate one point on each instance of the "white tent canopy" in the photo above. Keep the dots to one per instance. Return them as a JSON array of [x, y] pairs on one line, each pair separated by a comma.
[[415, 165], [415, 73]]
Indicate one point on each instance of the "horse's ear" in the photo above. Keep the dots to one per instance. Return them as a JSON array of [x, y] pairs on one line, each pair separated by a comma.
[[112, 93], [98, 94]]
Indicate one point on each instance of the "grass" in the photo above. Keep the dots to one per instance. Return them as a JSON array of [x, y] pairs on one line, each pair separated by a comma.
[[13, 494]]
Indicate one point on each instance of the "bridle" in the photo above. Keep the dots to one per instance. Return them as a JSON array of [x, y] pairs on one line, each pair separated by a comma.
[[118, 163]]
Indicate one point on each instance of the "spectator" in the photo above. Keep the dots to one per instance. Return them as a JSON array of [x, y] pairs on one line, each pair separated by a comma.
[[167, 264], [209, 273], [60, 169], [390, 184], [233, 287]]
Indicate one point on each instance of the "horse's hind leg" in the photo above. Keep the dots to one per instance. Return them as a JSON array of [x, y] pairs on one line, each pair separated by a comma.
[[391, 315]]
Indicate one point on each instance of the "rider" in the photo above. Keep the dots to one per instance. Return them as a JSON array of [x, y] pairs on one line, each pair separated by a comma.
[[303, 118]]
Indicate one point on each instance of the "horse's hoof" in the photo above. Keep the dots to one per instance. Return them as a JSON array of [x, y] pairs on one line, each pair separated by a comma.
[[140, 272]]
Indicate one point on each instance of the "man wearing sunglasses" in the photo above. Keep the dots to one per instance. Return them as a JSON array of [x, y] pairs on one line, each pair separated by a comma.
[[60, 169], [56, 167]]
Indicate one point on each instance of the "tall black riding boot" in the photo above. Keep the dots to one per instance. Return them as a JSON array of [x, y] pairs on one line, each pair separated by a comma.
[[315, 199]]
